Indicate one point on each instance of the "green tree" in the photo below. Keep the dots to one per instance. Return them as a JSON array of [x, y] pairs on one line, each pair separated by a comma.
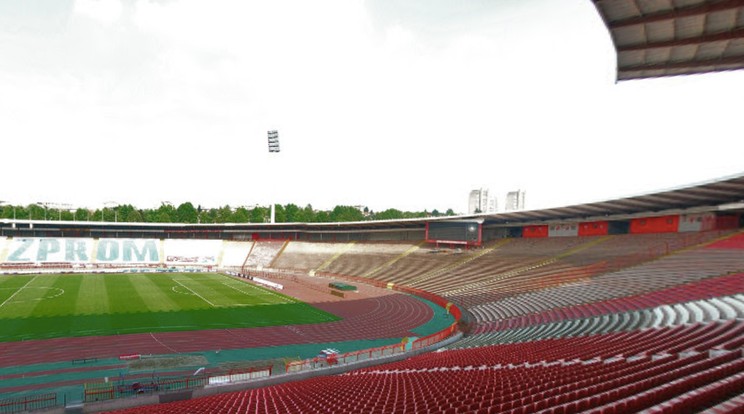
[[259, 214], [6, 211], [389, 214], [306, 215], [242, 215], [321, 217], [82, 214], [280, 214], [35, 212], [134, 216], [186, 213], [346, 213], [123, 212], [208, 216], [292, 213], [166, 213], [225, 214]]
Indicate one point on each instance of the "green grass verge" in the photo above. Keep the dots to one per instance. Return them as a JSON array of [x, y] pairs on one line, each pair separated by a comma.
[[52, 306]]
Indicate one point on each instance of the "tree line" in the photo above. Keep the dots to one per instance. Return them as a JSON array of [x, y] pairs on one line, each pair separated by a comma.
[[188, 213]]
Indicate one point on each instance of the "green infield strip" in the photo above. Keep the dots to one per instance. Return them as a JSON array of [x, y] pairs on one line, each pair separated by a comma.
[[52, 306]]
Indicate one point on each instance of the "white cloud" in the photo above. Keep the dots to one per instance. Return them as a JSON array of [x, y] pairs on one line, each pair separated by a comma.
[[378, 103], [104, 11]]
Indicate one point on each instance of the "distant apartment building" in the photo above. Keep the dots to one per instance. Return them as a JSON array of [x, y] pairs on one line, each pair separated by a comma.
[[514, 200], [480, 202]]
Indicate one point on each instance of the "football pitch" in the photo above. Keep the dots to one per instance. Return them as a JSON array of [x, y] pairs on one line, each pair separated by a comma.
[[53, 306]]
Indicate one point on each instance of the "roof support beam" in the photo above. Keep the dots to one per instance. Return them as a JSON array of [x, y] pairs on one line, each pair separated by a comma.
[[734, 60], [732, 35], [704, 8]]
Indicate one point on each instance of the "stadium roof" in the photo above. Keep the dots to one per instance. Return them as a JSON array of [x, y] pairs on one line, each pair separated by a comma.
[[720, 194], [655, 38]]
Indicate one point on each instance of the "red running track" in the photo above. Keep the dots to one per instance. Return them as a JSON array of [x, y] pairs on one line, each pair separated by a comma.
[[388, 316]]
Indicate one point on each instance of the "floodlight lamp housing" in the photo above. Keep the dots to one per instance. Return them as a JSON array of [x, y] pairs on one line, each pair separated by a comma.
[[273, 140]]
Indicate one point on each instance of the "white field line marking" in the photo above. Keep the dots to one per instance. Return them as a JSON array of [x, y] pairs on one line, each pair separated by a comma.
[[59, 293], [16, 292], [200, 296], [259, 293]]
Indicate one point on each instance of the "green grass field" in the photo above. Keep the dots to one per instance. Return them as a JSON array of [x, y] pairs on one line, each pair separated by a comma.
[[52, 306]]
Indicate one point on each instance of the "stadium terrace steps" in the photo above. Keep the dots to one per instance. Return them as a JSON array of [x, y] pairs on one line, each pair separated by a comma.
[[391, 262], [580, 325], [305, 256], [541, 279], [735, 242], [362, 257], [686, 267], [336, 255], [463, 261], [263, 253], [603, 373], [528, 312], [533, 271], [234, 254]]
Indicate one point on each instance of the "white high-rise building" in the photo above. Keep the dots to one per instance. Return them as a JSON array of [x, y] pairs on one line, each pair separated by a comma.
[[480, 202], [515, 200]]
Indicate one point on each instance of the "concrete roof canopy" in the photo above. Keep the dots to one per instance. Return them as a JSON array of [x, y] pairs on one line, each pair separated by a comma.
[[721, 194], [656, 38]]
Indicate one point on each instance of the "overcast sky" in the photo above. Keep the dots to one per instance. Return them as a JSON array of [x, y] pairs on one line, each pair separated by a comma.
[[384, 103]]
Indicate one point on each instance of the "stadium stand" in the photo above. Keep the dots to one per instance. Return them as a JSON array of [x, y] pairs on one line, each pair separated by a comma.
[[263, 253], [662, 370], [305, 256], [659, 327], [234, 254], [645, 321]]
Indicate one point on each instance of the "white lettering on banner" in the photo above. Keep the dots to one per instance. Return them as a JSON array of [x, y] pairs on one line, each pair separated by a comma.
[[181, 251], [58, 250], [193, 259]]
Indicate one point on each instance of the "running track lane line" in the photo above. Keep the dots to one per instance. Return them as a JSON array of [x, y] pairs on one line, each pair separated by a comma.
[[164, 345], [17, 291]]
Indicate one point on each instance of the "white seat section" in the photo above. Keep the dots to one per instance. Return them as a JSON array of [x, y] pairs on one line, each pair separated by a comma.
[[737, 303], [671, 315], [726, 311], [682, 314], [711, 312], [4, 242], [307, 255], [695, 311], [624, 321], [658, 317], [263, 253], [234, 253]]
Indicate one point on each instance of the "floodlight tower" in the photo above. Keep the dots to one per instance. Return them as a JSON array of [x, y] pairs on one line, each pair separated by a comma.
[[273, 148]]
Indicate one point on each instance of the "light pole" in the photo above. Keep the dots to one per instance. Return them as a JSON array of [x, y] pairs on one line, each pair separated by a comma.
[[67, 207], [46, 207], [113, 205], [273, 147]]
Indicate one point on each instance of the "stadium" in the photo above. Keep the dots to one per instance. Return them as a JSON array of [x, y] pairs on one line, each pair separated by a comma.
[[619, 306], [632, 304]]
